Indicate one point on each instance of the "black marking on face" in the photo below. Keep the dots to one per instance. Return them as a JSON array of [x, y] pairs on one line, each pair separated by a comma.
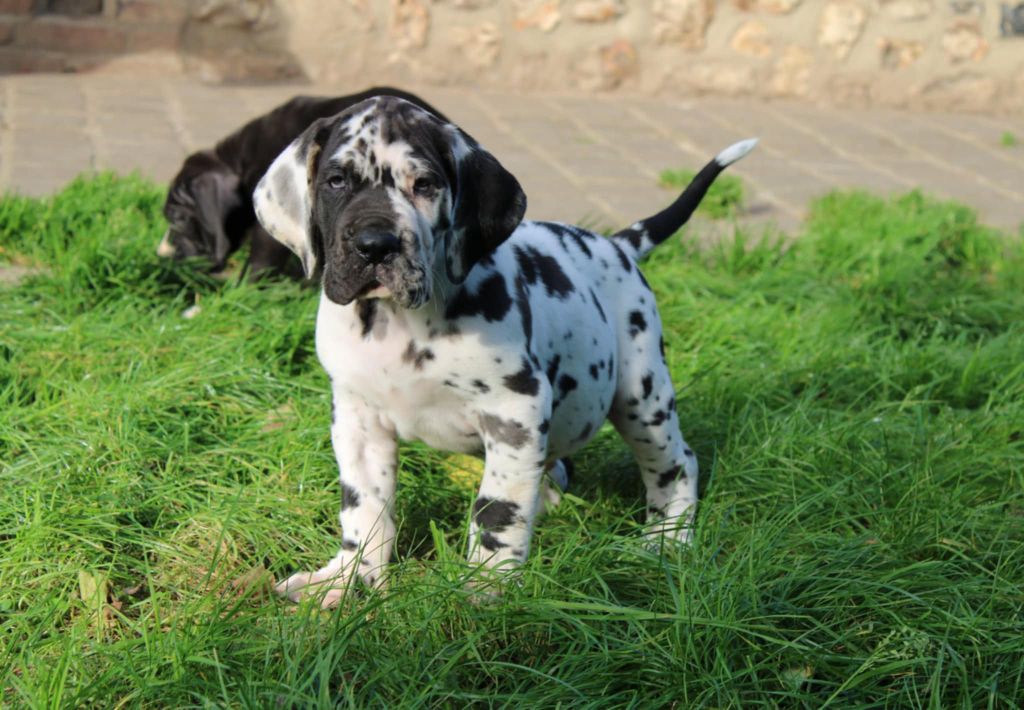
[[349, 497], [676, 473], [593, 370], [536, 266], [544, 426], [648, 383], [586, 432], [505, 431], [490, 301], [654, 511], [661, 347], [688, 453], [523, 381], [481, 386], [349, 545], [597, 305], [367, 311], [417, 357], [637, 323]]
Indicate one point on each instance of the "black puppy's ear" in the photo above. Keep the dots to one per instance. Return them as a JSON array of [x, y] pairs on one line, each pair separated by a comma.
[[216, 197], [489, 205], [283, 199]]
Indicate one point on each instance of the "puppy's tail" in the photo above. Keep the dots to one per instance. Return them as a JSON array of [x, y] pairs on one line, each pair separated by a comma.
[[638, 239]]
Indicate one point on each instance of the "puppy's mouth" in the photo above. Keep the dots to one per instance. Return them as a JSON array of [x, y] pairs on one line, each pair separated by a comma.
[[374, 289]]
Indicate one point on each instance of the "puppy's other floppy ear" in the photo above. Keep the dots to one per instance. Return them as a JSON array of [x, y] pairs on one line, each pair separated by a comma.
[[283, 197], [216, 197], [489, 205]]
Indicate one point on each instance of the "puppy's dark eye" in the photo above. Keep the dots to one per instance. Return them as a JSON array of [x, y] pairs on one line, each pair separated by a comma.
[[424, 187], [337, 182]]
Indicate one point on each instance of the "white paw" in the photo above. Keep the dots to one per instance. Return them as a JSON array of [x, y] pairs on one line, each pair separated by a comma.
[[328, 585]]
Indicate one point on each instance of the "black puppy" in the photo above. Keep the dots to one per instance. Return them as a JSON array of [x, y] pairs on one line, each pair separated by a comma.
[[209, 205]]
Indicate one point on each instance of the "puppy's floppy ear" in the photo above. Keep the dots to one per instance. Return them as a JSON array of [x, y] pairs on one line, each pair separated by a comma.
[[489, 205], [216, 197], [283, 197]]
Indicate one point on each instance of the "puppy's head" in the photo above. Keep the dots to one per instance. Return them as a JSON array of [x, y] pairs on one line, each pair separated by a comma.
[[201, 201], [384, 198]]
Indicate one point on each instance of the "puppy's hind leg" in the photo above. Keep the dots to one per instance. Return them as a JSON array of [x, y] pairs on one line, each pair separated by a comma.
[[644, 413]]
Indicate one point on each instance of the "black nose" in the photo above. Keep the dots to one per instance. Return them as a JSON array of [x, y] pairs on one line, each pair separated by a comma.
[[376, 245]]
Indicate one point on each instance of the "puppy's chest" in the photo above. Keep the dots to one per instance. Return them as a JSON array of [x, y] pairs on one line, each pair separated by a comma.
[[408, 376]]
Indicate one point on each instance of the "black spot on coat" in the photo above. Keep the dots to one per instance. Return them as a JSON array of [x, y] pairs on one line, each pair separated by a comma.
[[415, 357], [536, 266], [637, 323], [648, 384], [349, 497], [523, 381], [495, 515], [367, 310], [505, 431], [492, 301], [673, 474]]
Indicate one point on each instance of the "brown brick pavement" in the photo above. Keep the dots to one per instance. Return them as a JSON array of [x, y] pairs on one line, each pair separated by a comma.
[[590, 159]]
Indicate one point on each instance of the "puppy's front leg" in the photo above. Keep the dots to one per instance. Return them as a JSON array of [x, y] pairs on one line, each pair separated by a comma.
[[366, 451], [507, 504]]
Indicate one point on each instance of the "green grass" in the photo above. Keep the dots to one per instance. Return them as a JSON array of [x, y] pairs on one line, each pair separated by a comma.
[[725, 198], [856, 401], [1008, 139]]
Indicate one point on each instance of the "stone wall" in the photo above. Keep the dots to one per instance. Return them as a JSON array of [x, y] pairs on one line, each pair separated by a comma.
[[962, 54], [930, 53]]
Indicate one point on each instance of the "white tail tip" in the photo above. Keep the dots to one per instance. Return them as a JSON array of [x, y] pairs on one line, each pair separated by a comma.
[[734, 152]]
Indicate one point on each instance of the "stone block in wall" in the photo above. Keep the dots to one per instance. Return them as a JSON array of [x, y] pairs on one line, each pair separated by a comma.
[[906, 10], [543, 15], [67, 35], [607, 67], [791, 73], [73, 8], [896, 53], [7, 30], [16, 7], [242, 14], [596, 11], [967, 90], [962, 41], [479, 45], [166, 12], [775, 7], [718, 77], [153, 38], [410, 23], [682, 22], [752, 39], [840, 26]]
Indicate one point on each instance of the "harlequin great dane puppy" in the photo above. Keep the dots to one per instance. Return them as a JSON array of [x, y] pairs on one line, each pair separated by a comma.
[[445, 317]]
